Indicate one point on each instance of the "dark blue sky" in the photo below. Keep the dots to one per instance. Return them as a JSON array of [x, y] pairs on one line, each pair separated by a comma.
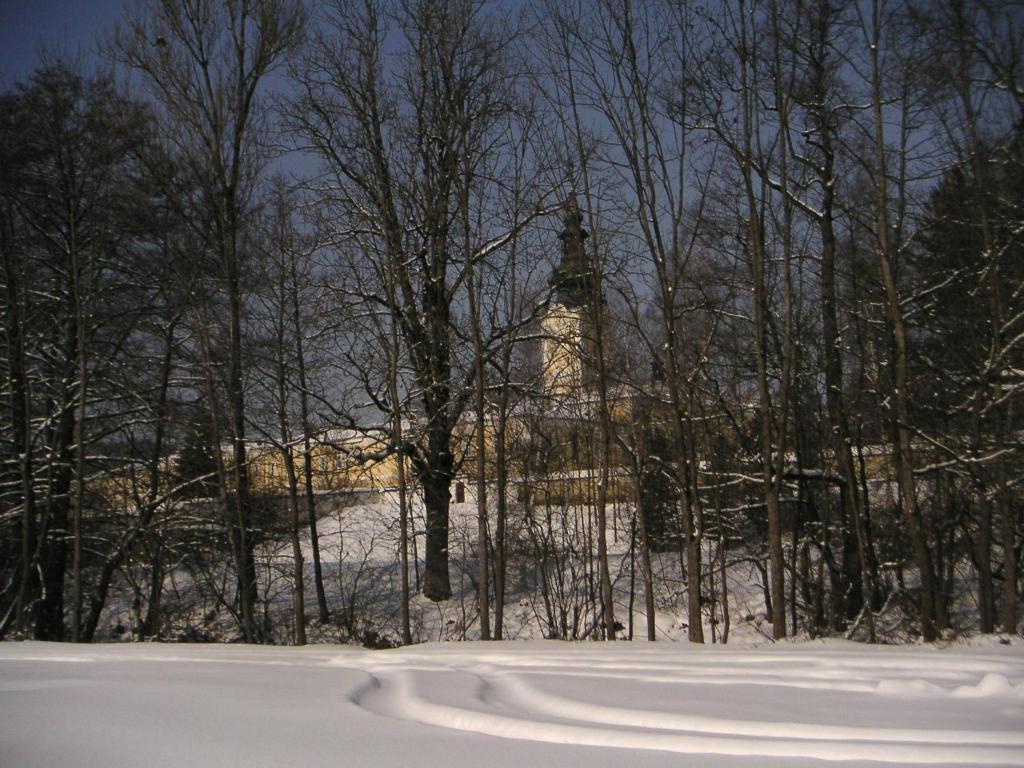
[[72, 28], [65, 26]]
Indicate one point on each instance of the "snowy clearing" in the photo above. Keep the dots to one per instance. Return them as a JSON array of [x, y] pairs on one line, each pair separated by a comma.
[[538, 703]]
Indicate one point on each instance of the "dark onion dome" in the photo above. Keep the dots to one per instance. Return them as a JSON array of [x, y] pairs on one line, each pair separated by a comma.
[[573, 282]]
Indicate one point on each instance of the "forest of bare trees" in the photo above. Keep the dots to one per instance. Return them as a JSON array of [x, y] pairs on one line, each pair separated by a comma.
[[791, 233]]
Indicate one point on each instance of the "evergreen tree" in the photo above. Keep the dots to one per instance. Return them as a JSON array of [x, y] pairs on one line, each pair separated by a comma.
[[197, 462]]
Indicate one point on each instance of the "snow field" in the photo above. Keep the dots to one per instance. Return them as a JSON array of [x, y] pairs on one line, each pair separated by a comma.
[[531, 703], [365, 536], [553, 700], [359, 546]]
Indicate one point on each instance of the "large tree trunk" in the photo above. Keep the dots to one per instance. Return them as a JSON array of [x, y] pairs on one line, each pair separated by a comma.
[[436, 464], [436, 500]]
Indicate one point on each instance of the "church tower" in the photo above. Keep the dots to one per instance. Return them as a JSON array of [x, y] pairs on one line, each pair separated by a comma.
[[573, 291]]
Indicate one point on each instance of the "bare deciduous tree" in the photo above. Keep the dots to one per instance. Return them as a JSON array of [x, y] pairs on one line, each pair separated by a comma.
[[204, 63]]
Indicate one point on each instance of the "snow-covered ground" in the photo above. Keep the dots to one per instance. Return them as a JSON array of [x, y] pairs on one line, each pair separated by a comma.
[[536, 703], [550, 588]]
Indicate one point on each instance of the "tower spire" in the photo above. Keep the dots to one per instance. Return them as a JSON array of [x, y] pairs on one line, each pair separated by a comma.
[[571, 277]]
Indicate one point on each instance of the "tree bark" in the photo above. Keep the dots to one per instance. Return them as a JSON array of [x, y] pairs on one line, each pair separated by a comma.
[[899, 395], [307, 448], [21, 423]]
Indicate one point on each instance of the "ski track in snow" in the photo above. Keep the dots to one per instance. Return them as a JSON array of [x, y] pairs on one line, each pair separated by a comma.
[[502, 695], [781, 705]]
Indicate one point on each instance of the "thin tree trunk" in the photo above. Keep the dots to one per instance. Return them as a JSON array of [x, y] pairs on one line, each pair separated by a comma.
[[642, 538], [151, 500], [899, 394], [403, 528], [80, 276], [632, 577], [398, 439], [54, 530], [284, 433], [307, 448], [483, 598], [501, 489], [227, 504], [833, 344], [21, 423], [594, 315], [1007, 515], [150, 625], [770, 489], [722, 549], [298, 584], [240, 468], [783, 81]]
